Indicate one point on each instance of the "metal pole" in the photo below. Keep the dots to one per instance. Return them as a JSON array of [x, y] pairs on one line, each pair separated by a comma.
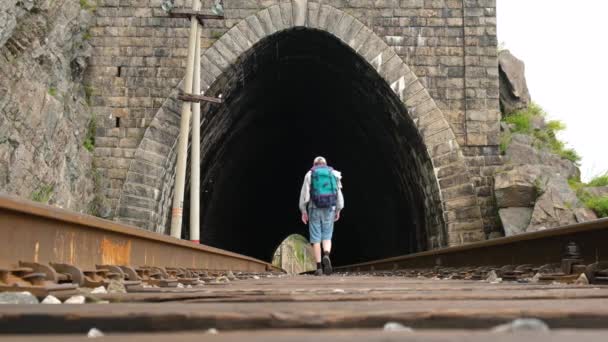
[[195, 166], [180, 172]]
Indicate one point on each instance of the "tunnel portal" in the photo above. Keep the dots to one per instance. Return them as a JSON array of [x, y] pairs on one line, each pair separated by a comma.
[[297, 94]]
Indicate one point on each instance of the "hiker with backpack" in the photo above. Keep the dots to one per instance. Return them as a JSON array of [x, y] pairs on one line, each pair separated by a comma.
[[321, 201]]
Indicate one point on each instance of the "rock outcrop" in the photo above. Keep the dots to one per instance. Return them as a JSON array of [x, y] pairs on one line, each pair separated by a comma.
[[516, 187], [557, 206], [531, 189], [43, 110], [522, 151], [515, 220], [535, 197], [514, 93]]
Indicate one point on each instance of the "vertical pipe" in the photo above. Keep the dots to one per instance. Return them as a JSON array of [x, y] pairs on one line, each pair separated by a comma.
[[182, 146], [195, 166]]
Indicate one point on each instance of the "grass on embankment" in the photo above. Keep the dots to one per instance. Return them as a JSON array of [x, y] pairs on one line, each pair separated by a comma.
[[522, 122], [599, 204]]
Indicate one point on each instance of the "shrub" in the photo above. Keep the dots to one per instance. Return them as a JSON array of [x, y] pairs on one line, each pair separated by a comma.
[[601, 180], [545, 138], [599, 205], [53, 91], [571, 155]]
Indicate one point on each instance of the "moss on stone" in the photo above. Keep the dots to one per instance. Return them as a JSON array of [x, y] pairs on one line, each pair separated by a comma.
[[98, 203], [89, 139], [43, 194], [86, 5]]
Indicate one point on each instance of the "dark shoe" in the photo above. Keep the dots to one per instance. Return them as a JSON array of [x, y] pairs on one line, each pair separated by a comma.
[[326, 265], [319, 272]]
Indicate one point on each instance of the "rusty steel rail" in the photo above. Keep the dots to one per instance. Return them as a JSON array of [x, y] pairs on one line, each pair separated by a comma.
[[541, 247], [39, 233]]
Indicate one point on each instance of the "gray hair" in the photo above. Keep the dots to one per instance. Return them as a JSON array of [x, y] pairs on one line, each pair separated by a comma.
[[319, 160]]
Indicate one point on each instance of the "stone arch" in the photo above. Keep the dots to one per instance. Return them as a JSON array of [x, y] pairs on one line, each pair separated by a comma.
[[146, 195]]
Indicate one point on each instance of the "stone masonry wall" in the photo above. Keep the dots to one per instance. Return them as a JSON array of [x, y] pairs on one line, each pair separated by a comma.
[[139, 55]]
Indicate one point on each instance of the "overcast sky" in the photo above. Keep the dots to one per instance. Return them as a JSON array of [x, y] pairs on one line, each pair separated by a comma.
[[564, 46]]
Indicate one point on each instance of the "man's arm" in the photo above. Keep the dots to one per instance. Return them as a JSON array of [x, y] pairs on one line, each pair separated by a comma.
[[339, 202], [305, 197]]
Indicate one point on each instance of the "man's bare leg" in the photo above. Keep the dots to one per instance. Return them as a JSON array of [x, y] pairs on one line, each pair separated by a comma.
[[326, 246], [316, 247], [327, 269]]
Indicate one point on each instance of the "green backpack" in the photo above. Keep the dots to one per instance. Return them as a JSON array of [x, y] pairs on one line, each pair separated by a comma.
[[323, 187]]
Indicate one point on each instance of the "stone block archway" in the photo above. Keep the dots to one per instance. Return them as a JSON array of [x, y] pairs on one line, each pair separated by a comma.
[[453, 216]]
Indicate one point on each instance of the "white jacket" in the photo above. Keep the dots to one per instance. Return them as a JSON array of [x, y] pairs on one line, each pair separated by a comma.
[[305, 192]]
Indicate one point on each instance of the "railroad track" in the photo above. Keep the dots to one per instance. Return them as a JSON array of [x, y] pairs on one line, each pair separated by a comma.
[[50, 251], [164, 286]]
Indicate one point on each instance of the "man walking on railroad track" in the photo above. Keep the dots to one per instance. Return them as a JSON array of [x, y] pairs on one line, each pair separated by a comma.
[[321, 201]]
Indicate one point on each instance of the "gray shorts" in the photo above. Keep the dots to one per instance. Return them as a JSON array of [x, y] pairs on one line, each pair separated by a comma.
[[321, 224]]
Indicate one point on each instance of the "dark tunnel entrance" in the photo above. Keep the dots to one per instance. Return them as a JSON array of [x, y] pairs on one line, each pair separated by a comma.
[[295, 95]]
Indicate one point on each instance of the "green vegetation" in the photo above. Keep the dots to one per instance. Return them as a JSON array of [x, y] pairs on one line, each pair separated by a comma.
[[98, 201], [86, 5], [86, 35], [216, 34], [88, 92], [599, 204], [505, 140], [53, 91], [544, 138], [601, 180], [43, 193], [294, 254], [89, 138]]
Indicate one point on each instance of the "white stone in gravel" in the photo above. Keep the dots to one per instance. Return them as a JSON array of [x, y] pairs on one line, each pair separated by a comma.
[[116, 286], [582, 280], [180, 285], [493, 278], [338, 291], [76, 300], [256, 277], [536, 278], [394, 326], [212, 331], [522, 324], [94, 332], [99, 290], [50, 300], [18, 298]]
